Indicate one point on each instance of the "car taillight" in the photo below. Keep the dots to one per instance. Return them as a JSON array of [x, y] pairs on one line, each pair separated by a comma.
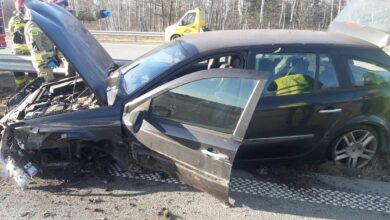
[[353, 24], [3, 43]]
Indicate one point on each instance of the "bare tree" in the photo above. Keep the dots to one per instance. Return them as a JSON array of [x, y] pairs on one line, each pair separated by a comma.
[[261, 15], [156, 15]]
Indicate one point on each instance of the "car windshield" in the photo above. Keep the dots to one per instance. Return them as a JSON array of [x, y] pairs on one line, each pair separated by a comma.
[[373, 13], [151, 65]]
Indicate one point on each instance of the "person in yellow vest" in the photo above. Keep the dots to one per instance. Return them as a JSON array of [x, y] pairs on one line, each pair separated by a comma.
[[16, 26], [43, 52], [295, 81], [292, 84]]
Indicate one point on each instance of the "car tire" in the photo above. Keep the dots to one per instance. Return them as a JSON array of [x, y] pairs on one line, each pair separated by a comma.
[[355, 147], [175, 37]]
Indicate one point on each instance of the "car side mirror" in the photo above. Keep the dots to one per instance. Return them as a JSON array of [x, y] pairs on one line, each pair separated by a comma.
[[161, 111], [135, 120]]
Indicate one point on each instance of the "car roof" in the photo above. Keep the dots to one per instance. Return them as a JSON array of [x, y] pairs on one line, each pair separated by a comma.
[[215, 40]]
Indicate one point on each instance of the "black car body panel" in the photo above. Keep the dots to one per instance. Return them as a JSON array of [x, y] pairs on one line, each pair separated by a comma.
[[88, 57], [298, 131], [96, 126], [84, 125]]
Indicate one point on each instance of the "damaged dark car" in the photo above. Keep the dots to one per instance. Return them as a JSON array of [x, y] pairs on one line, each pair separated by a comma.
[[196, 106], [107, 111]]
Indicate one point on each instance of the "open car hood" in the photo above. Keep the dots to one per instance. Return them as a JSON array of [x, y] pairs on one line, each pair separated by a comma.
[[79, 47]]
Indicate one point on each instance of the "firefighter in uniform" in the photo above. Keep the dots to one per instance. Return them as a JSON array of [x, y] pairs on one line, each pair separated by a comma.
[[16, 27], [43, 52]]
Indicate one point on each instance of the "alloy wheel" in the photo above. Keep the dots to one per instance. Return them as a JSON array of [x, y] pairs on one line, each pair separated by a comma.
[[356, 148]]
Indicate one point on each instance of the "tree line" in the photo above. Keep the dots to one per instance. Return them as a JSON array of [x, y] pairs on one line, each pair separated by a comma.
[[156, 15]]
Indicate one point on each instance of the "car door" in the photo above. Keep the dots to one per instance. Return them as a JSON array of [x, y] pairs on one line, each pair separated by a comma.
[[193, 126], [296, 118]]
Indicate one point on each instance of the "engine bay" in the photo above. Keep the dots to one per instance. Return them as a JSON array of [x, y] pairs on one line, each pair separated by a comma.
[[26, 149], [64, 96]]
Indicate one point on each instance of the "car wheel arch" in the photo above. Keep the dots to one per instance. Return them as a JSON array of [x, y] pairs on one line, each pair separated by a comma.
[[373, 122], [175, 36]]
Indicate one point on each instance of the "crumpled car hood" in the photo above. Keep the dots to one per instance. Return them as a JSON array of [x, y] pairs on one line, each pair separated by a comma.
[[79, 47]]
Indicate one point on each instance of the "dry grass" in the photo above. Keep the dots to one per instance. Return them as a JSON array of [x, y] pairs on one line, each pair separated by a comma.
[[7, 88]]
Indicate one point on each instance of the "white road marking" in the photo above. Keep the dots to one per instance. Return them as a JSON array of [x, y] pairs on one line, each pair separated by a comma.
[[277, 190]]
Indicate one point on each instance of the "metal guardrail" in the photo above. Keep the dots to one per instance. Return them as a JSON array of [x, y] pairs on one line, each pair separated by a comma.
[[23, 64], [16, 63], [128, 33], [122, 33]]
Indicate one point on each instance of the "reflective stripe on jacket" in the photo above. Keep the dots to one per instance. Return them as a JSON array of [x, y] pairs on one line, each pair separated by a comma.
[[41, 47], [292, 84], [17, 24], [20, 49], [44, 56]]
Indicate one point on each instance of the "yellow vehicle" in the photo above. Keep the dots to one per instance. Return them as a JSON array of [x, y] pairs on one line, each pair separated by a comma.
[[193, 22]]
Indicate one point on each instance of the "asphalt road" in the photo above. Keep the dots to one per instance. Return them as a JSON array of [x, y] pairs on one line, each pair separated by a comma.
[[127, 51], [135, 195], [143, 195], [117, 50]]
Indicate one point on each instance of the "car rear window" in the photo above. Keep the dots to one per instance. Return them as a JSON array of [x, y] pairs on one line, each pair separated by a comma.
[[368, 74]]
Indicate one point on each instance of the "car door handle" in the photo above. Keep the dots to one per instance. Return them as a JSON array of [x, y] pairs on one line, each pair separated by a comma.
[[331, 111], [215, 156]]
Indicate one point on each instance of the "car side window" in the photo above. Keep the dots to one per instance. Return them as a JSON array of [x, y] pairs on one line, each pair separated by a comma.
[[290, 74], [225, 62], [327, 74], [215, 104], [368, 74], [233, 61], [188, 19]]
